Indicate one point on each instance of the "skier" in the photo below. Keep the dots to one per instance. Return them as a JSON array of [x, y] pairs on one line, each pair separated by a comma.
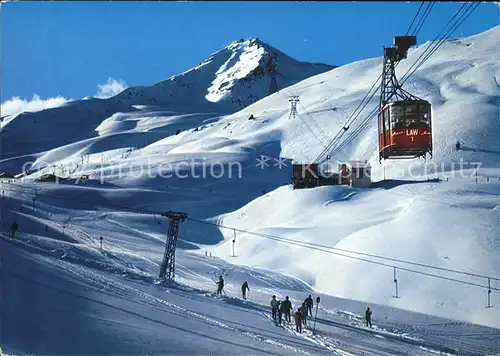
[[457, 146], [220, 285], [280, 311], [309, 304], [298, 320], [13, 229], [303, 311], [287, 308], [274, 307], [368, 317], [244, 288]]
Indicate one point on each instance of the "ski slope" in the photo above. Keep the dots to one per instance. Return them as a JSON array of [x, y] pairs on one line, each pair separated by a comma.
[[143, 158], [60, 284]]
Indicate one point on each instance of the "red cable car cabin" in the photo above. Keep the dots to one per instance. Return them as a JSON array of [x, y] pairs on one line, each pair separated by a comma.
[[405, 129]]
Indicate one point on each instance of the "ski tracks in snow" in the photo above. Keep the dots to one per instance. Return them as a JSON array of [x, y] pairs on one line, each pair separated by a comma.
[[107, 285], [318, 339]]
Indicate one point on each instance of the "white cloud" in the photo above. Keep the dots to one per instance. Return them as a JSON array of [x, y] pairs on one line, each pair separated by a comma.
[[111, 88], [17, 105]]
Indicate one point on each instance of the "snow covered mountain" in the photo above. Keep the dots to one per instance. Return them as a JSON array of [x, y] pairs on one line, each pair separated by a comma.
[[229, 80], [232, 78], [231, 174]]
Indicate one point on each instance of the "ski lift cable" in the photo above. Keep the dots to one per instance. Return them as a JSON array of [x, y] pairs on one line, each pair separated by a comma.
[[351, 118], [331, 250], [359, 108], [325, 136], [427, 11], [426, 54], [354, 133], [328, 140], [433, 47], [304, 121], [444, 38], [436, 43], [414, 18], [318, 126], [307, 124], [363, 124], [144, 211]]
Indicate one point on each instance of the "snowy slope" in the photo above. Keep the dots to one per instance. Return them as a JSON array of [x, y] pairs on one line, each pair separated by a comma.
[[453, 223], [65, 296], [227, 81]]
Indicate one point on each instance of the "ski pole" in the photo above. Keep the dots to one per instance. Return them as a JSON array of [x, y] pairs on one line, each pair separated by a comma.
[[316, 316]]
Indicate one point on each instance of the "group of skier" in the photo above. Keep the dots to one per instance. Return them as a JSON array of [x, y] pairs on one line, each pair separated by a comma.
[[278, 308], [220, 288], [284, 307]]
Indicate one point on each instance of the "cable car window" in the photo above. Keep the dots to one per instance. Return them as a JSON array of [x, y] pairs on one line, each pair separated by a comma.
[[411, 116], [384, 118], [424, 115], [397, 121]]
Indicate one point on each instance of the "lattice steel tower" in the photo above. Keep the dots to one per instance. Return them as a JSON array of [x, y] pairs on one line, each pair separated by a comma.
[[167, 268], [293, 102], [390, 88]]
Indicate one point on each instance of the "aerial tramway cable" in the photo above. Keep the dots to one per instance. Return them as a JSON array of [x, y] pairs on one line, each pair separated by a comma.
[[437, 42], [362, 104]]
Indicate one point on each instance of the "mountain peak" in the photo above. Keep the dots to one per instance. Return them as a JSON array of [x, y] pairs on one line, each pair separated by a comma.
[[232, 78], [249, 42]]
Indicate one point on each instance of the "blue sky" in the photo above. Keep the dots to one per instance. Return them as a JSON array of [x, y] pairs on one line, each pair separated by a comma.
[[69, 48]]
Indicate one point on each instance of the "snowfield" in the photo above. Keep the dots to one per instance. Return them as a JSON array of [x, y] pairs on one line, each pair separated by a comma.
[[185, 145]]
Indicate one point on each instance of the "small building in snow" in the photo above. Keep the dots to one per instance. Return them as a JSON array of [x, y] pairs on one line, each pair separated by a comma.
[[356, 173]]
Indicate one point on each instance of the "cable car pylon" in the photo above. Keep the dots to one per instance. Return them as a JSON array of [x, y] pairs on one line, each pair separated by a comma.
[[167, 267]]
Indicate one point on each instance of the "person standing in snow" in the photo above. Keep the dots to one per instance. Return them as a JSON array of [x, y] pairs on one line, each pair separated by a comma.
[[287, 308], [280, 311], [274, 306], [309, 304], [303, 310], [220, 285], [244, 288], [13, 229], [298, 320], [368, 317]]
